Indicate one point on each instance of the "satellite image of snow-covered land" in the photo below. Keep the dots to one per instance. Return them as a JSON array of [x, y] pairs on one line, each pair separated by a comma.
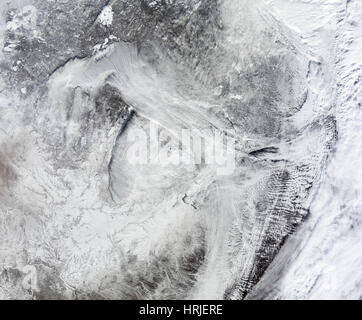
[[180, 149]]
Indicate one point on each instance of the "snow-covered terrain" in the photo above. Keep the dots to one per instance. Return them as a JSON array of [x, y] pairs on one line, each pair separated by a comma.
[[322, 260], [180, 149]]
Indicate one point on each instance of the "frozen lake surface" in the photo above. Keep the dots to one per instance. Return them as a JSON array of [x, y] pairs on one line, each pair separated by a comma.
[[180, 149]]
